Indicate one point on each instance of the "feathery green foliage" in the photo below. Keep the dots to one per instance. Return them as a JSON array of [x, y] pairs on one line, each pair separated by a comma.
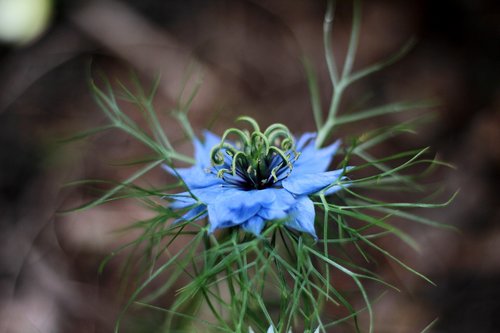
[[231, 280]]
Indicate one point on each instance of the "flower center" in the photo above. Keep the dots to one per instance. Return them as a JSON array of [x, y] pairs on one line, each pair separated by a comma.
[[258, 160]]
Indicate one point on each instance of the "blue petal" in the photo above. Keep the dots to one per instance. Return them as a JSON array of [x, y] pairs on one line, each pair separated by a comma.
[[182, 200], [302, 216], [197, 175], [202, 150], [210, 194], [310, 183], [204, 195], [193, 214], [283, 199], [211, 139], [200, 155], [312, 160], [305, 139], [336, 188], [245, 204], [272, 214], [254, 225], [217, 221], [194, 177], [233, 206]]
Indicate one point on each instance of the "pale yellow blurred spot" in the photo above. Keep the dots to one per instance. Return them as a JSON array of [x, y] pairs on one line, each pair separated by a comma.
[[22, 21]]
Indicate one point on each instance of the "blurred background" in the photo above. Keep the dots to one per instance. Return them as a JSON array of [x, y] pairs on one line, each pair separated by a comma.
[[250, 53]]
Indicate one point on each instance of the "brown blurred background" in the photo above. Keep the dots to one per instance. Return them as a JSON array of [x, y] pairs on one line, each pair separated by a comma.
[[250, 55]]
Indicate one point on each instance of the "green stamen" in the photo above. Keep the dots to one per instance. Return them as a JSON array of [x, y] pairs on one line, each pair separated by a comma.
[[216, 155], [254, 154]]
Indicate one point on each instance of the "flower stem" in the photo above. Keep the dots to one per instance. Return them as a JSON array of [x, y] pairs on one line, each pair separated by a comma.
[[327, 128], [338, 83]]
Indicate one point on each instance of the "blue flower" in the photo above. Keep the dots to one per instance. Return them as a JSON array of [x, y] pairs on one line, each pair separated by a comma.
[[265, 176]]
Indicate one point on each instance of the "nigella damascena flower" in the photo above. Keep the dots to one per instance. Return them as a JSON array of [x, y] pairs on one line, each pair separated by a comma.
[[261, 177]]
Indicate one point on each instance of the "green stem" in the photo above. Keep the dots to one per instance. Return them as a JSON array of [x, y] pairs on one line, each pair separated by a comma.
[[327, 40], [327, 128], [354, 39]]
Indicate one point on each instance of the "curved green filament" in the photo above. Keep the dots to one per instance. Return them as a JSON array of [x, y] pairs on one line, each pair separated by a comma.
[[283, 156], [251, 157], [277, 131], [244, 137], [238, 155], [255, 143], [275, 135], [274, 127], [251, 121], [288, 143], [221, 172], [273, 172], [217, 157]]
